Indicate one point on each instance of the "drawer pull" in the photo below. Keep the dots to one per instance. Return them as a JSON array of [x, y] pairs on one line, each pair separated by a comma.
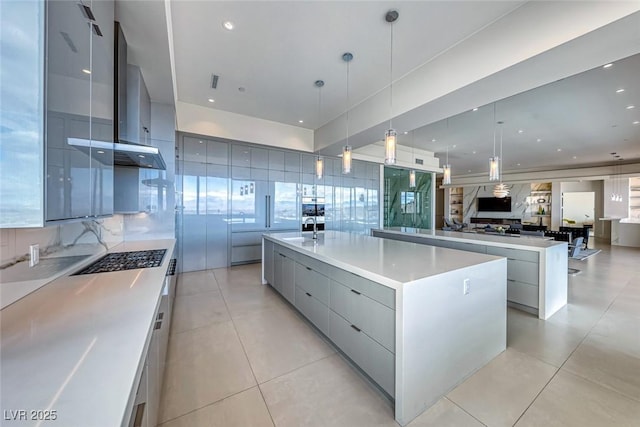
[[356, 328], [281, 255], [355, 292], [308, 268], [510, 280], [158, 325], [308, 294], [511, 259], [160, 316]]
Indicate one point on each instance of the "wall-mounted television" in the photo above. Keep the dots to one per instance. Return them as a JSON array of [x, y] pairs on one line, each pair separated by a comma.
[[494, 204]]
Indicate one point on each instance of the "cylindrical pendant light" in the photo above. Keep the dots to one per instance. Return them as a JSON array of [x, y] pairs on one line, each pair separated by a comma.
[[346, 159], [500, 190], [446, 169], [319, 167], [346, 151], [390, 135], [390, 147], [412, 178], [494, 162]]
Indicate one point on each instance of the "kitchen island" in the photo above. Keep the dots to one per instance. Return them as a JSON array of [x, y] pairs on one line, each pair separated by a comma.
[[536, 268], [416, 320], [80, 350]]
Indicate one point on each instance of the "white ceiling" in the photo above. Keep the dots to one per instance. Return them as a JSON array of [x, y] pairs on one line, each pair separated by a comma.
[[278, 49], [572, 122]]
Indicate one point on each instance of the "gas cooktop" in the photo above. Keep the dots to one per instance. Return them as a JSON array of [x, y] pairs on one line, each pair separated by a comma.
[[118, 261]]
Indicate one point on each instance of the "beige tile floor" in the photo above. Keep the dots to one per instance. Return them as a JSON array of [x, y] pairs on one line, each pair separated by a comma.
[[239, 355]]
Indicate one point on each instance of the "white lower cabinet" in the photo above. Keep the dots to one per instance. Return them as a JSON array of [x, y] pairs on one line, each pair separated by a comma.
[[354, 313], [375, 360]]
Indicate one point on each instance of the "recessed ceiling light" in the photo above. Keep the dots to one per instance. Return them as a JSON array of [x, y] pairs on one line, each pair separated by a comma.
[[211, 100], [228, 25], [141, 156], [200, 142], [539, 140], [474, 151], [475, 109], [575, 157], [469, 170], [520, 131], [559, 149], [300, 121], [433, 140], [517, 164], [84, 70], [607, 66], [636, 122], [100, 152], [454, 145], [630, 107], [405, 132], [620, 90]]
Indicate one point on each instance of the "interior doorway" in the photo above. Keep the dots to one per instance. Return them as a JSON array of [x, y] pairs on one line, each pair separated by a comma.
[[578, 209]]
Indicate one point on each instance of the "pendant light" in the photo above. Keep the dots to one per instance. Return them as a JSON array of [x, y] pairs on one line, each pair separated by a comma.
[[390, 136], [346, 151], [500, 190], [446, 171], [319, 160], [494, 162], [412, 178]]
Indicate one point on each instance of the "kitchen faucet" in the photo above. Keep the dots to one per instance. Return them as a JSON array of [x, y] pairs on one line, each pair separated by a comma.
[[315, 226]]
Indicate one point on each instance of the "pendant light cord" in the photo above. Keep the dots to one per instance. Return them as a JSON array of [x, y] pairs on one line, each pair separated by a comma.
[[494, 129], [501, 164], [391, 80], [348, 103]]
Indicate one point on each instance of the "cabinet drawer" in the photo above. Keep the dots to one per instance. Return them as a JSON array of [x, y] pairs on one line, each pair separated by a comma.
[[313, 309], [376, 291], [318, 266], [373, 318], [313, 282], [522, 271], [375, 360], [286, 252], [522, 293], [530, 256], [470, 247]]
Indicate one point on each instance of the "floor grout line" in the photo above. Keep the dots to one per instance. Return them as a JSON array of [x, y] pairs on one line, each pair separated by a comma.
[[462, 409], [569, 356], [244, 350]]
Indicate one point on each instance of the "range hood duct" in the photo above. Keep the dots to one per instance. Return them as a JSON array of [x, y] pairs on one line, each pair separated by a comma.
[[127, 153]]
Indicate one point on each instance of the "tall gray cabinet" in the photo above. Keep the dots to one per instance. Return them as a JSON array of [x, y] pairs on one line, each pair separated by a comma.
[[230, 193], [57, 93]]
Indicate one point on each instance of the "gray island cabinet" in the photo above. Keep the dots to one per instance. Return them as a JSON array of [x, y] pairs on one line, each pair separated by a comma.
[[417, 320], [536, 268]]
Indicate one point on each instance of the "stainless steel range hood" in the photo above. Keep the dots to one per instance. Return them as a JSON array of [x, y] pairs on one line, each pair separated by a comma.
[[125, 152], [137, 155]]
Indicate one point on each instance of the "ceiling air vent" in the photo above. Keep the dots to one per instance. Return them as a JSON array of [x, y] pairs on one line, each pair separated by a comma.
[[214, 81], [419, 161]]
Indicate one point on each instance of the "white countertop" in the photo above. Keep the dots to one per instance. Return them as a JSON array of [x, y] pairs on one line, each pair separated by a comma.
[[531, 243], [75, 345], [389, 262]]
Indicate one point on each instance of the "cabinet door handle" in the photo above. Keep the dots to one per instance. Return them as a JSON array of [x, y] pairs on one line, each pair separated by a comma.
[[510, 280], [88, 13], [511, 259], [308, 294], [356, 328], [282, 255], [355, 292], [158, 325], [308, 268]]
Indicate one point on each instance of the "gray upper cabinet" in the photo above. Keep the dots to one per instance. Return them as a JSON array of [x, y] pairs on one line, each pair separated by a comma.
[[79, 110]]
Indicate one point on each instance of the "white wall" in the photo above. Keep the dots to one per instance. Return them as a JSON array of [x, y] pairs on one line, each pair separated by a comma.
[[223, 124], [596, 187], [579, 206]]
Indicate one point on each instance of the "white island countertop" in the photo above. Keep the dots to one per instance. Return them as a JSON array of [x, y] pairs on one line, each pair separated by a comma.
[[75, 345], [388, 262], [531, 243]]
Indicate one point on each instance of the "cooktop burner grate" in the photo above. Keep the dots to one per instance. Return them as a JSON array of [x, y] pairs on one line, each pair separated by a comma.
[[118, 261]]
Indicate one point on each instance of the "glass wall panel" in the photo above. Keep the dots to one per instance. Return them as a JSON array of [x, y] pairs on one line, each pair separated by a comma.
[[405, 206]]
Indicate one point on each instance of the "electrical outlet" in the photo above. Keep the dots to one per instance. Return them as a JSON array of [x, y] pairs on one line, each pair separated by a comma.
[[465, 286], [34, 255]]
